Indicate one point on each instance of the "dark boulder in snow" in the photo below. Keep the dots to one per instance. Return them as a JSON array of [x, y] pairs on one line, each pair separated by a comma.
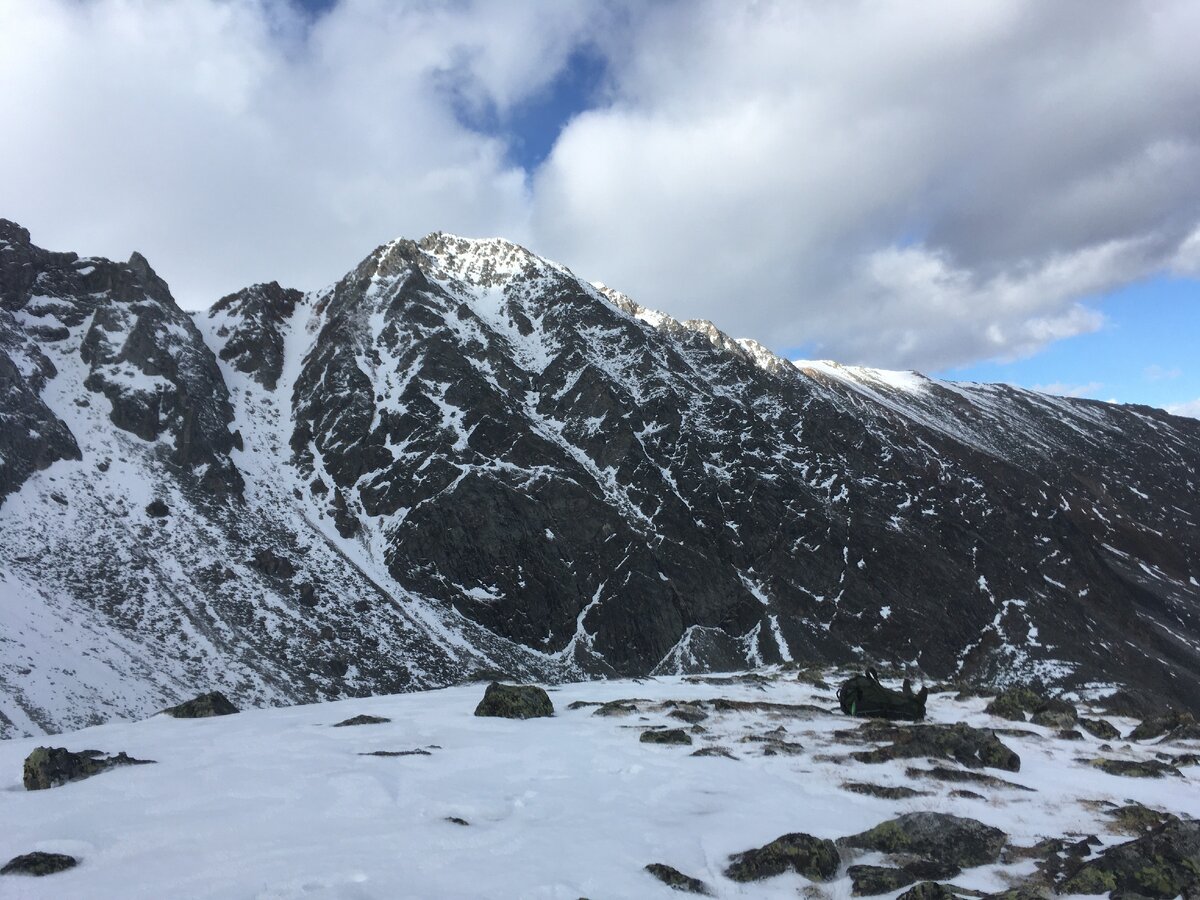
[[48, 767], [936, 837], [39, 863], [1136, 768], [1157, 726], [1101, 728], [973, 747], [362, 720], [515, 701], [666, 736], [814, 858], [157, 509], [672, 877], [213, 703]]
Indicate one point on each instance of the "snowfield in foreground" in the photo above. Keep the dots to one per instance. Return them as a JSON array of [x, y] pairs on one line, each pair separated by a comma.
[[277, 803]]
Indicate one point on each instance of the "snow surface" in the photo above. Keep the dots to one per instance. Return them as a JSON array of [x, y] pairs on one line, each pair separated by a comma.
[[275, 803]]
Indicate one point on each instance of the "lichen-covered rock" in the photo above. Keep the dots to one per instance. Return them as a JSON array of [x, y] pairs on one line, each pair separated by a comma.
[[1013, 703], [884, 792], [1057, 714], [938, 837], [1164, 863], [945, 773], [666, 736], [672, 877], [814, 858], [973, 747], [1158, 726], [1101, 728], [867, 881], [362, 720], [515, 701], [1134, 818], [928, 890], [214, 703], [39, 863], [48, 767], [1142, 768]]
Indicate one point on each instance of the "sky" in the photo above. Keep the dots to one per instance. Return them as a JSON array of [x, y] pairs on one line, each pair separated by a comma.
[[986, 191]]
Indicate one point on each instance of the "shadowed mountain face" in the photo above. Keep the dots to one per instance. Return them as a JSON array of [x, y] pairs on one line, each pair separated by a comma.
[[461, 455]]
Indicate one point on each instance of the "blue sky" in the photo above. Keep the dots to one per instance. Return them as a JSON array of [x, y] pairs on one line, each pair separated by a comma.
[[759, 165], [1147, 351]]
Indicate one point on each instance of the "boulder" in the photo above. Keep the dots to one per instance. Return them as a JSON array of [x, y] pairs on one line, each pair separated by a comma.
[[1158, 726], [1101, 728], [38, 863], [881, 791], [1144, 768], [1057, 714], [156, 509], [362, 720], [867, 881], [814, 858], [973, 747], [214, 703], [514, 701], [666, 736], [937, 837], [48, 767], [1164, 863], [1014, 703], [928, 890], [672, 877]]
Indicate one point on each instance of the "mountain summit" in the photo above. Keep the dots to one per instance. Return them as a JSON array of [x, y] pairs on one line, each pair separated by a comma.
[[461, 456]]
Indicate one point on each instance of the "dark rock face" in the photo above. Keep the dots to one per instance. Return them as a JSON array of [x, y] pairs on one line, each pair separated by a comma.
[[1144, 768], [929, 890], [1101, 728], [814, 858], [1158, 726], [252, 322], [937, 837], [143, 354], [870, 880], [1164, 863], [674, 878], [48, 767], [213, 703], [39, 863], [515, 701], [882, 791]]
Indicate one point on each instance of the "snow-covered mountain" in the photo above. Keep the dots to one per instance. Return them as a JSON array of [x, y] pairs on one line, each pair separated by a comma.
[[461, 456]]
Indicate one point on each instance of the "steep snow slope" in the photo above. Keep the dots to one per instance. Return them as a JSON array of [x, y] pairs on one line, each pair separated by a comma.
[[279, 804], [462, 456]]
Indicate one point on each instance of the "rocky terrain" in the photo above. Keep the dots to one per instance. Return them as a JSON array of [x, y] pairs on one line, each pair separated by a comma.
[[726, 786], [461, 457]]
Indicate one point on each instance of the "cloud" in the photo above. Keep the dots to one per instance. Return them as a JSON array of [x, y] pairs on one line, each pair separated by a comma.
[[1160, 373], [1071, 390], [1191, 408], [906, 185], [894, 184]]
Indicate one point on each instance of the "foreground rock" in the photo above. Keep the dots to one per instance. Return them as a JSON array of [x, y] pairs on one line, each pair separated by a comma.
[[48, 767], [973, 747], [1164, 863], [951, 841], [39, 863], [1172, 724], [672, 877], [1144, 768], [515, 701], [814, 858], [213, 703]]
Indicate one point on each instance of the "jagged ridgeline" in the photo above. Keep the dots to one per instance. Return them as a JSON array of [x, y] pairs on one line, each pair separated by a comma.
[[463, 457]]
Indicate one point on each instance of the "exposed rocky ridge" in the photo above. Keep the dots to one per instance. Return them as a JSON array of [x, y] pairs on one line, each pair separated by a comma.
[[461, 455]]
